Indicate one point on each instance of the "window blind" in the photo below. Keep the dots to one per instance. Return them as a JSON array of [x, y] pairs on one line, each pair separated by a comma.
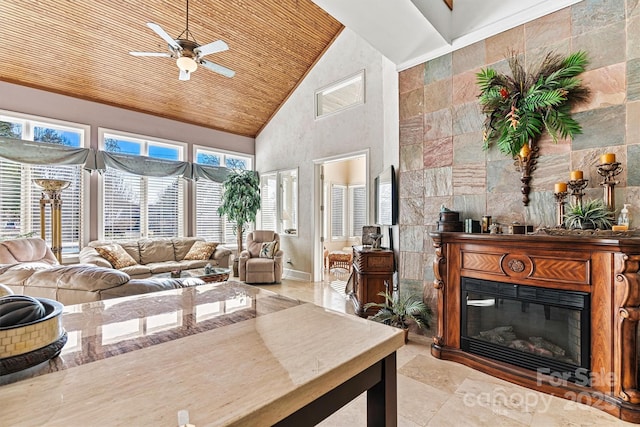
[[165, 218], [122, 201], [209, 224]]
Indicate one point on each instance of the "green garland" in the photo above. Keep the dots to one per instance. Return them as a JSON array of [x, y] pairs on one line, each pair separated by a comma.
[[520, 107]]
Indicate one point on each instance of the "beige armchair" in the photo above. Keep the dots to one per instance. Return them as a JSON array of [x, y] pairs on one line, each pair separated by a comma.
[[261, 262]]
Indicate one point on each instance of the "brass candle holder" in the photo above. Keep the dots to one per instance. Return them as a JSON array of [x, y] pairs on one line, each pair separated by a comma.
[[608, 171], [560, 197], [577, 186]]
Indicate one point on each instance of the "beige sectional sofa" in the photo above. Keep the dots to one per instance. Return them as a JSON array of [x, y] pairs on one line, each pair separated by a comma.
[[155, 256], [28, 267]]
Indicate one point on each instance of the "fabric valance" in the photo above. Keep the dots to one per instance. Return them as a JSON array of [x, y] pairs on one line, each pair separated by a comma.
[[42, 153]]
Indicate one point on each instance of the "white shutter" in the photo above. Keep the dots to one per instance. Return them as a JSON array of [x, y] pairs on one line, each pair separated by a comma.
[[357, 209], [338, 209], [268, 202]]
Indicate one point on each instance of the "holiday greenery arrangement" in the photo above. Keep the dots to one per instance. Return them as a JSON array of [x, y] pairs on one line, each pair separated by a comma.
[[521, 106]]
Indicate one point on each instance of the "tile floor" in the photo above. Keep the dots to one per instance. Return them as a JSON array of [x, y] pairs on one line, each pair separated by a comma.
[[433, 392]]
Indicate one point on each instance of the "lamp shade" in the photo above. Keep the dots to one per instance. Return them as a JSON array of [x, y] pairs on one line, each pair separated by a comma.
[[187, 64]]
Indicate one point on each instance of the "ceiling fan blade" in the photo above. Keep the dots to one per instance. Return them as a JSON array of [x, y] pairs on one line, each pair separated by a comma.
[[184, 75], [163, 54], [162, 33], [217, 68], [213, 47]]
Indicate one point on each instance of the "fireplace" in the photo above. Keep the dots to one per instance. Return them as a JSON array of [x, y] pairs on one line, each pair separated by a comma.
[[532, 308], [541, 329]]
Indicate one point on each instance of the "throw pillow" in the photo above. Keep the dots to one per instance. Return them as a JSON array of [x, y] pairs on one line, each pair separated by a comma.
[[268, 249], [201, 250], [116, 255]]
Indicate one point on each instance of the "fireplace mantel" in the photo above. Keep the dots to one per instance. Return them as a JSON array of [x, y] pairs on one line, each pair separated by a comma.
[[608, 269]]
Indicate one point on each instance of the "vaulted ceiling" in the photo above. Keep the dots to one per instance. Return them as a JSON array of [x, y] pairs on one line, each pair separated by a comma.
[[81, 48]]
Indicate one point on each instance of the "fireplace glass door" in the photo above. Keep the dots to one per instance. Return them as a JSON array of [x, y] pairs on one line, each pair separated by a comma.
[[545, 330]]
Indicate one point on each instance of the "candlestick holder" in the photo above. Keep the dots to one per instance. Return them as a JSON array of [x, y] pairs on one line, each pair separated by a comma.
[[608, 171], [560, 208], [576, 186], [526, 162]]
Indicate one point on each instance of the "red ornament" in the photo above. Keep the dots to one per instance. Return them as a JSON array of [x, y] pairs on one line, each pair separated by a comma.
[[504, 93]]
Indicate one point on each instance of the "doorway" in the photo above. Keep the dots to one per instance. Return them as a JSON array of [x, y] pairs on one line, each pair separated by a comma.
[[342, 208]]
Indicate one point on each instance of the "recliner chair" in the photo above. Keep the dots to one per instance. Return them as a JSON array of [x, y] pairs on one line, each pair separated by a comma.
[[254, 268]]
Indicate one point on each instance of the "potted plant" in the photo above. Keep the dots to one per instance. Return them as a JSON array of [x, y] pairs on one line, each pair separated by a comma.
[[399, 312], [592, 214], [240, 203]]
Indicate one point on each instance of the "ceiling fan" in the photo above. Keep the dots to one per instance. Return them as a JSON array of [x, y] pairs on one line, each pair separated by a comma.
[[188, 52]]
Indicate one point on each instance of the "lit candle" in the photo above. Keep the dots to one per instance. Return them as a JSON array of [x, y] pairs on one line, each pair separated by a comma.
[[560, 187], [576, 175], [525, 151], [608, 158]]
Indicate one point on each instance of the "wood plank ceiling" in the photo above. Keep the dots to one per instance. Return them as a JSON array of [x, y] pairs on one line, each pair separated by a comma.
[[80, 48]]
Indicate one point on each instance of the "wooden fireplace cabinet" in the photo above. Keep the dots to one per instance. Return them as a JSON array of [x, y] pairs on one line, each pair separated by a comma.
[[608, 268], [372, 270]]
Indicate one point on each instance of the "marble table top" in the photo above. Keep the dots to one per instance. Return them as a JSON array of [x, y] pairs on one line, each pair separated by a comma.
[[228, 353]]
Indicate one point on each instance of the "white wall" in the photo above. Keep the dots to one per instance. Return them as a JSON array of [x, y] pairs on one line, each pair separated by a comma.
[[293, 138], [26, 100]]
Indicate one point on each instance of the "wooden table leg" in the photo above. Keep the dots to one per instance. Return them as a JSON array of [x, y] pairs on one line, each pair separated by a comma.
[[382, 399]]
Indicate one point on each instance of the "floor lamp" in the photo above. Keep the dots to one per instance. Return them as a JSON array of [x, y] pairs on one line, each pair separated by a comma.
[[51, 190]]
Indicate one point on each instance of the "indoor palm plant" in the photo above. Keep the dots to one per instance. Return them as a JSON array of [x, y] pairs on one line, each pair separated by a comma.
[[240, 202], [399, 312], [520, 106], [591, 214]]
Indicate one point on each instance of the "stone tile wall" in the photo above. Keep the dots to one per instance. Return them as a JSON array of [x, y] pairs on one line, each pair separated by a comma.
[[441, 157]]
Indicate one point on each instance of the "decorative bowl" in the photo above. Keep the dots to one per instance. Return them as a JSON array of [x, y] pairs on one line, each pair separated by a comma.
[[52, 185], [28, 344]]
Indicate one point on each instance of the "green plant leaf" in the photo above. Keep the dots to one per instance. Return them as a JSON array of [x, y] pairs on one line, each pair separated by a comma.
[[520, 106], [240, 199]]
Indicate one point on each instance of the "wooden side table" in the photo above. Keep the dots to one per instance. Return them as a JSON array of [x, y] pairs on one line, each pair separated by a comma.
[[371, 269]]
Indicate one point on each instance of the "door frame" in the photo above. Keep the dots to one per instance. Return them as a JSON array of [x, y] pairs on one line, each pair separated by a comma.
[[318, 192]]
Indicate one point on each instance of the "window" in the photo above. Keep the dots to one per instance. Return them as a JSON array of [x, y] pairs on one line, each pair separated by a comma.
[[139, 206], [268, 201], [279, 201], [289, 201], [209, 224], [340, 95], [20, 197]]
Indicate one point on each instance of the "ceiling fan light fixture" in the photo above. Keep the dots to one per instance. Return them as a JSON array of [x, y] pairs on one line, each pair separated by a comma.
[[186, 64]]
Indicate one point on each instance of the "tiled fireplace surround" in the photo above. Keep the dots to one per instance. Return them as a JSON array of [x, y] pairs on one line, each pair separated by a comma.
[[441, 156]]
